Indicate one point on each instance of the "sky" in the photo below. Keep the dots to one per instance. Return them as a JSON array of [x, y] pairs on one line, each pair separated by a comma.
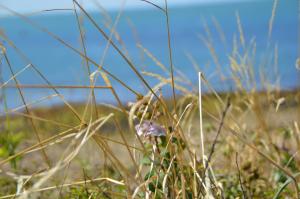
[[28, 6]]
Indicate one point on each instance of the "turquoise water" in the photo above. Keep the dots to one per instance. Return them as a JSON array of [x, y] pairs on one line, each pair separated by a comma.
[[61, 66]]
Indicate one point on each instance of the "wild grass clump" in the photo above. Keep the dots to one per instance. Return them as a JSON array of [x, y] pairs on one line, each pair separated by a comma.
[[240, 144]]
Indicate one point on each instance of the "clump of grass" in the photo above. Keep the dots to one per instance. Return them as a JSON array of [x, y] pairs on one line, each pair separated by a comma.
[[239, 152]]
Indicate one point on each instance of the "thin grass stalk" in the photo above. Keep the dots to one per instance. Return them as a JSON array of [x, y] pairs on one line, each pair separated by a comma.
[[118, 142], [40, 74], [43, 119], [104, 76], [115, 161], [86, 60], [9, 111], [41, 86], [153, 4], [28, 112], [104, 146], [154, 59], [170, 54], [116, 48], [207, 181], [298, 60], [106, 80], [217, 135], [131, 65], [283, 186], [200, 118], [119, 183], [271, 22], [253, 147], [27, 20], [128, 149], [43, 142], [240, 28], [5, 84], [71, 151], [220, 31], [240, 176], [65, 175]]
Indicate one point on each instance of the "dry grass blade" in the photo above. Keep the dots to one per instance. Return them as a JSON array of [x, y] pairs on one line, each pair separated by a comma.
[[35, 68], [155, 60], [71, 151], [5, 84], [54, 86], [200, 118], [155, 5], [131, 65], [116, 48], [43, 142], [112, 33], [167, 81], [170, 54], [86, 61], [41, 119], [269, 159], [9, 111], [272, 19], [27, 20], [240, 177], [28, 111], [217, 135], [117, 183], [241, 31], [220, 31]]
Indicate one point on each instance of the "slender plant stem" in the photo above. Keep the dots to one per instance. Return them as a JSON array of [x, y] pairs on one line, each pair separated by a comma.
[[28, 111], [170, 54]]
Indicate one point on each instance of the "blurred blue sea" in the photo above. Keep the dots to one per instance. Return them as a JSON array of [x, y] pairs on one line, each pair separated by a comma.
[[61, 66]]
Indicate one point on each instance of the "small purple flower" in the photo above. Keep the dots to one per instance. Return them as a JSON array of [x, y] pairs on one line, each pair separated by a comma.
[[148, 128]]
